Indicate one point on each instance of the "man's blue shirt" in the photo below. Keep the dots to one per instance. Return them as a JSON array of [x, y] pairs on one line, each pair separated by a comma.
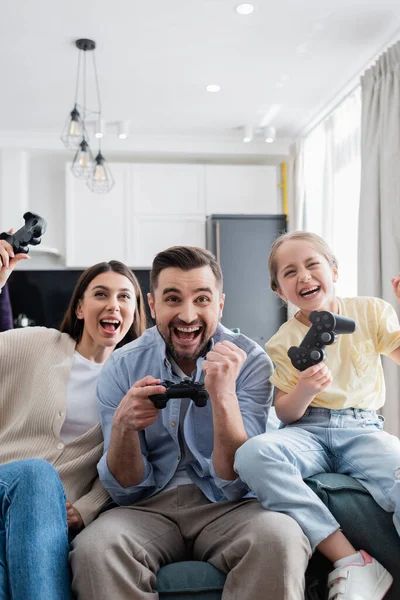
[[159, 442]]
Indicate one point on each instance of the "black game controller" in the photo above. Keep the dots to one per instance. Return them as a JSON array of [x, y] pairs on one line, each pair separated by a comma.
[[325, 326], [35, 226], [184, 389]]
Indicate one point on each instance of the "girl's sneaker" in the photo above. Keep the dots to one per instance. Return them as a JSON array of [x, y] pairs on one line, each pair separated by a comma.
[[370, 581]]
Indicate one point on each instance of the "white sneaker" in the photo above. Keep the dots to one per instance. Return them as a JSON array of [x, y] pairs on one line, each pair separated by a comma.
[[354, 582]]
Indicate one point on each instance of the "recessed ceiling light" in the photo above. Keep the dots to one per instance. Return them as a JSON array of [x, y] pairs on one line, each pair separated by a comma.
[[245, 9], [213, 87]]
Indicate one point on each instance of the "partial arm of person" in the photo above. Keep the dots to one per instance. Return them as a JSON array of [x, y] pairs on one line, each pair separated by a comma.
[[291, 406], [395, 355], [84, 510], [396, 286], [387, 325], [124, 469], [240, 393], [8, 260], [221, 368]]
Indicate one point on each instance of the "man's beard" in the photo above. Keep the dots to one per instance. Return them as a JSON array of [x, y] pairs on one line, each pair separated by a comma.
[[177, 355]]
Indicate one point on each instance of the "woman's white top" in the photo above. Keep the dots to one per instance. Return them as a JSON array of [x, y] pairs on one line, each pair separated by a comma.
[[82, 413]]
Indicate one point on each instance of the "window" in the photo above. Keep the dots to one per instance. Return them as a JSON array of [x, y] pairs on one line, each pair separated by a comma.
[[331, 186]]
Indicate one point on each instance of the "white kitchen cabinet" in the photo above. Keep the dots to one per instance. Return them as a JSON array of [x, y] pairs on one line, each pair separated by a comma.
[[96, 227], [153, 206], [170, 189], [151, 234], [166, 208], [242, 189]]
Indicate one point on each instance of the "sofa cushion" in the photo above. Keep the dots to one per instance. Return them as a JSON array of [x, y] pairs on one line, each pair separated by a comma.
[[190, 580], [364, 523]]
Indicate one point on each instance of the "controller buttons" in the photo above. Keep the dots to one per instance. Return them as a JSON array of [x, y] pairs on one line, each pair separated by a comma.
[[320, 327], [317, 319], [325, 317], [315, 355]]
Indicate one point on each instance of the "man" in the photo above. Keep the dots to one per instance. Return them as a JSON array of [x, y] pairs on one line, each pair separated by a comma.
[[171, 470]]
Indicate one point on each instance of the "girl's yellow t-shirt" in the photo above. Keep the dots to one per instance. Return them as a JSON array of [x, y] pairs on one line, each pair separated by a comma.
[[354, 359]]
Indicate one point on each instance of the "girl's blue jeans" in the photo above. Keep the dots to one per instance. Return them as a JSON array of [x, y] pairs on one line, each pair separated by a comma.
[[33, 533], [349, 441]]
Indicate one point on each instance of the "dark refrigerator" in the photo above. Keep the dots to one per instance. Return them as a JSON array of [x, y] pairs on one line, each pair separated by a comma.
[[242, 244]]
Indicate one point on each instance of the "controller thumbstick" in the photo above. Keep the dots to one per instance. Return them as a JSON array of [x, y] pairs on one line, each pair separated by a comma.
[[326, 337], [315, 355]]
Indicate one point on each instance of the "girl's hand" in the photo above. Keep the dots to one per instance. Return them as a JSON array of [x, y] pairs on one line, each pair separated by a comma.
[[315, 379], [396, 286], [8, 261], [74, 519]]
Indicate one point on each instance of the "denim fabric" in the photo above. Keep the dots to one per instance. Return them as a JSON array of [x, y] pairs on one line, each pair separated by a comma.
[[160, 442], [349, 441], [33, 533]]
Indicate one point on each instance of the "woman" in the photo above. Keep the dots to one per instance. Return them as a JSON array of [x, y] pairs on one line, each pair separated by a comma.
[[48, 411]]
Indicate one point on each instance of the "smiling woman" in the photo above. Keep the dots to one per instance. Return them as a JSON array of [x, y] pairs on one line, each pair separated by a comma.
[[48, 402], [101, 311]]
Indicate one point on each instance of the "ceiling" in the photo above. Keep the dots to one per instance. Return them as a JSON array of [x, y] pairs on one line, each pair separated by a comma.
[[156, 57]]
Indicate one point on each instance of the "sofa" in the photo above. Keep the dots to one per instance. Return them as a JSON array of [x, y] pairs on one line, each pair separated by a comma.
[[366, 525]]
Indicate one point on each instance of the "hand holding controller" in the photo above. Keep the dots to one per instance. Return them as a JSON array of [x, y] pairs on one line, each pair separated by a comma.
[[184, 389], [35, 226], [324, 328]]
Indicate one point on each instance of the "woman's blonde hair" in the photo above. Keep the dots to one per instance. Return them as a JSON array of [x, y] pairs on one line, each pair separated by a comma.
[[312, 238]]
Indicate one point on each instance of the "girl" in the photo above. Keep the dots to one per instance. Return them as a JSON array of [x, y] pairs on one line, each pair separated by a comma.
[[48, 411], [328, 413]]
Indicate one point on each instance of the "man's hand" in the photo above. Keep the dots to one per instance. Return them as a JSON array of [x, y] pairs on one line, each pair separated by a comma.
[[315, 379], [8, 260], [396, 286], [74, 519], [136, 411], [221, 367]]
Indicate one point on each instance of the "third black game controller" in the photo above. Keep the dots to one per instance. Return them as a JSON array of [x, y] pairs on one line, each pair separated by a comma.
[[324, 328], [30, 233]]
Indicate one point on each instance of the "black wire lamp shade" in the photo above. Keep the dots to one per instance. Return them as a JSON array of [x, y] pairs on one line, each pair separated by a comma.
[[72, 133], [94, 171], [83, 163], [101, 179]]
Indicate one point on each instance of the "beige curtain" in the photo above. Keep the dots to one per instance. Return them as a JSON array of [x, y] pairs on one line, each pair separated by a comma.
[[379, 216]]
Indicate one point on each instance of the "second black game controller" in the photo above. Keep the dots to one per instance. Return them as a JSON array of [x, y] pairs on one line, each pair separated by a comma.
[[29, 234], [323, 331], [185, 389]]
